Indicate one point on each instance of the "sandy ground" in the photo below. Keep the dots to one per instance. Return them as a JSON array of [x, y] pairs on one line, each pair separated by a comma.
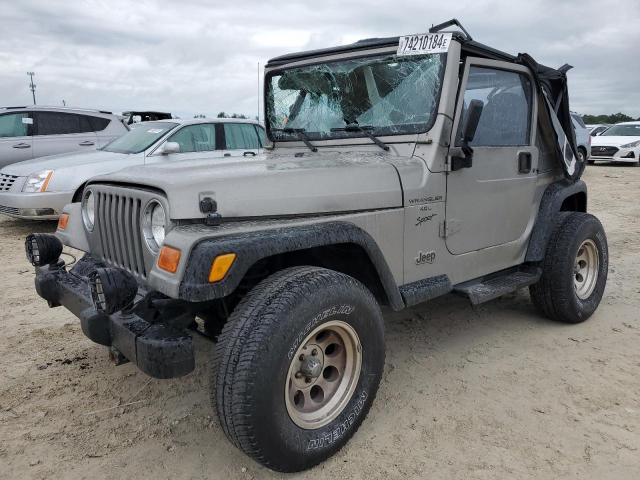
[[491, 392]]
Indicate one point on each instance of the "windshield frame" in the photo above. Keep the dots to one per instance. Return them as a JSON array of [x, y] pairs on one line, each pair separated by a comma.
[[147, 146], [352, 134]]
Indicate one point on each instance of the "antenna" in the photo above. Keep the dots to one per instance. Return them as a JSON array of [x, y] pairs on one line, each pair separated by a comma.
[[32, 86], [258, 92]]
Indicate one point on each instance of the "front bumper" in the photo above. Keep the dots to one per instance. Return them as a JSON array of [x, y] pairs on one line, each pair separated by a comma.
[[158, 349], [34, 206], [623, 155]]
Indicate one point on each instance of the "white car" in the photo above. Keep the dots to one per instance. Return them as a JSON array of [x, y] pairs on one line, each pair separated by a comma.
[[583, 139], [36, 131], [619, 143], [38, 189], [597, 128]]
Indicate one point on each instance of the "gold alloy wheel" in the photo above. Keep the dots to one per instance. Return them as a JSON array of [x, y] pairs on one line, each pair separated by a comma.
[[323, 374], [585, 269]]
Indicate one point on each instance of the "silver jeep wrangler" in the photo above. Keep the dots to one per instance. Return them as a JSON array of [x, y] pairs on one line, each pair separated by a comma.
[[401, 169]]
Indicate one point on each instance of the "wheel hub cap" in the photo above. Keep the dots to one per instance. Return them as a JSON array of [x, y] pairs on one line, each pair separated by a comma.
[[323, 374], [585, 269]]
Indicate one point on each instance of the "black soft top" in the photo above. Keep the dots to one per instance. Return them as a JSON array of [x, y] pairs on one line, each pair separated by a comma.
[[551, 82], [469, 47]]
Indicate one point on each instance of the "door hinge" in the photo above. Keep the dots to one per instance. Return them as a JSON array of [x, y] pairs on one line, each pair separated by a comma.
[[449, 227]]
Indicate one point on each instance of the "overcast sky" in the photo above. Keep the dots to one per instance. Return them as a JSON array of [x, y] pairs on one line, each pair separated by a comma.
[[199, 56]]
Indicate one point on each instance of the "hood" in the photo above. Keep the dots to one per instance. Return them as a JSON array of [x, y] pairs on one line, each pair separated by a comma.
[[612, 141], [274, 184], [63, 160]]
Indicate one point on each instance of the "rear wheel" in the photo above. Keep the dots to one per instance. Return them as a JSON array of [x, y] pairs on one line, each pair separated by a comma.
[[298, 367], [574, 269]]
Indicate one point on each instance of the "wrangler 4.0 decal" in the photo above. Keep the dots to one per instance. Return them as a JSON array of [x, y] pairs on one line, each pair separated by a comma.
[[435, 198]]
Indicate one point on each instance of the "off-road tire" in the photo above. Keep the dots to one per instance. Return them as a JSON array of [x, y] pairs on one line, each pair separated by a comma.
[[253, 356], [555, 293]]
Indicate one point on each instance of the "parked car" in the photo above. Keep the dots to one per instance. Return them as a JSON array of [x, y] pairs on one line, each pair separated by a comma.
[[38, 189], [31, 132], [597, 129], [433, 173], [133, 117], [619, 143], [583, 139]]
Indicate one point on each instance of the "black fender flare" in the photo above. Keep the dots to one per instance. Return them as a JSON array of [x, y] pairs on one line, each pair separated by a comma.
[[550, 204], [250, 247]]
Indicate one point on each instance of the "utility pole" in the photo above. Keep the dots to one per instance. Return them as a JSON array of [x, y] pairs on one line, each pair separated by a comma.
[[32, 86]]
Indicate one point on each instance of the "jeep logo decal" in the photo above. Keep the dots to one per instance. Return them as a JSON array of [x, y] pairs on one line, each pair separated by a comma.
[[422, 258]]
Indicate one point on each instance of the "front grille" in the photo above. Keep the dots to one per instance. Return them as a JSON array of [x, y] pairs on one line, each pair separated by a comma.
[[603, 151], [9, 210], [6, 181], [118, 220]]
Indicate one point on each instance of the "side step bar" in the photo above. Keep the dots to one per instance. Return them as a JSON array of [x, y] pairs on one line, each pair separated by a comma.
[[489, 288]]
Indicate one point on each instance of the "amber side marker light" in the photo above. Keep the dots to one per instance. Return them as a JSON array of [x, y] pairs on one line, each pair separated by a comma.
[[63, 220], [169, 259], [220, 266]]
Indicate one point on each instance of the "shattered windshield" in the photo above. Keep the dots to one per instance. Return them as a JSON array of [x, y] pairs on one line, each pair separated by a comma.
[[389, 95]]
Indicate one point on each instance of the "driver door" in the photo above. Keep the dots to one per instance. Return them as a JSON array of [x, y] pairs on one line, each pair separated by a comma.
[[196, 141], [491, 202]]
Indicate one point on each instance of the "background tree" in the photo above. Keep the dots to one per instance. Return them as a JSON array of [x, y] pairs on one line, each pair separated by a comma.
[[613, 118]]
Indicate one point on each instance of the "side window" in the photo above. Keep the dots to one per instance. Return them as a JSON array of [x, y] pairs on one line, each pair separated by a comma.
[[195, 138], [97, 124], [506, 116], [262, 135], [578, 120], [12, 125], [241, 136], [61, 123]]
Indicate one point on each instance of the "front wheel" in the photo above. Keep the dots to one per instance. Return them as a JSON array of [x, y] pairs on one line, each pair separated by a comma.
[[298, 367], [574, 271]]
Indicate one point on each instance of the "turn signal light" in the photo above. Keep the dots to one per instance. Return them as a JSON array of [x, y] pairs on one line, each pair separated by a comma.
[[63, 220], [169, 259], [220, 266]]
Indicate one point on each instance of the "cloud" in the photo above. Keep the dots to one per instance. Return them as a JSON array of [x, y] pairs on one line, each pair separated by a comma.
[[198, 56]]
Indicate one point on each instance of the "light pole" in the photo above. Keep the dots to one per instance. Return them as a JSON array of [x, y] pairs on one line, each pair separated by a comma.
[[32, 86]]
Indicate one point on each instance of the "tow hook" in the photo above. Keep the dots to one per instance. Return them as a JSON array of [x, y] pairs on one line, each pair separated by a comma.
[[116, 356]]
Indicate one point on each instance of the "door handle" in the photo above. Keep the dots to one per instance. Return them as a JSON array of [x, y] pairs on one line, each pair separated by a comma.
[[252, 154], [86, 143], [227, 154], [524, 162], [22, 145]]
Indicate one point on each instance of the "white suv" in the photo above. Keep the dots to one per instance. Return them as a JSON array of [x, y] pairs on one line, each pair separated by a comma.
[[30, 132]]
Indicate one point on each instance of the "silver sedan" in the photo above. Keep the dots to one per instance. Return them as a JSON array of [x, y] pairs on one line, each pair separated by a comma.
[[38, 189]]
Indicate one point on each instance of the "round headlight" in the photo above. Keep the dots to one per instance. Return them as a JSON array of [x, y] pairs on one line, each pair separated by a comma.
[[89, 210], [154, 225]]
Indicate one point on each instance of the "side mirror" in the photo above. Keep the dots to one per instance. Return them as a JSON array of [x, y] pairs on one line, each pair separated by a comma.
[[462, 157], [473, 118], [170, 147]]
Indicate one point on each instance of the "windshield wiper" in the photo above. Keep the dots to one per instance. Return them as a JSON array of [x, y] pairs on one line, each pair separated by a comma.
[[366, 129], [300, 133]]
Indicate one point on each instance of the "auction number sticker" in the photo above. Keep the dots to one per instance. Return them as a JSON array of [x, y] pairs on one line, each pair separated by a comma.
[[423, 43]]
